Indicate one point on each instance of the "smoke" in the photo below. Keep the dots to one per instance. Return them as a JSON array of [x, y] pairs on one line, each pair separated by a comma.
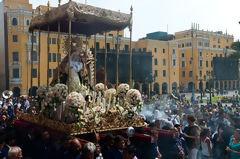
[[147, 111], [156, 110]]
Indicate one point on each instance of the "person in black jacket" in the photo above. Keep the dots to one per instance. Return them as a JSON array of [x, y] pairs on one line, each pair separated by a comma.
[[116, 152]]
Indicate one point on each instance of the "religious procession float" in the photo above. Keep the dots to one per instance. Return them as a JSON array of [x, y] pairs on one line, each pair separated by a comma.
[[73, 103]]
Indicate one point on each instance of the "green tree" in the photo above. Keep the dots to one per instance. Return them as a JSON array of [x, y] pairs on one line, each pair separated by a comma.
[[235, 46]]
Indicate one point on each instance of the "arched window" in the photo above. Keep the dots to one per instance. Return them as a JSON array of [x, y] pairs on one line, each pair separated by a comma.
[[28, 22], [14, 21]]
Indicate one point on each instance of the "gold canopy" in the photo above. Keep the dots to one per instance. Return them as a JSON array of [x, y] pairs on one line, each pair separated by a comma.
[[85, 19]]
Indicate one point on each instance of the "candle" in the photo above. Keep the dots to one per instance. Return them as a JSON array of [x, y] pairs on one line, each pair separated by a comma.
[[88, 88], [114, 101], [104, 103], [109, 100], [99, 99], [94, 98]]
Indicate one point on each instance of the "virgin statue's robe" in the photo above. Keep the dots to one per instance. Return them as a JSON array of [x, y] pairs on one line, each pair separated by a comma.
[[78, 72]]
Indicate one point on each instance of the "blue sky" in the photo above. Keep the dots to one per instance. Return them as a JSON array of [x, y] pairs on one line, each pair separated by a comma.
[[156, 15]]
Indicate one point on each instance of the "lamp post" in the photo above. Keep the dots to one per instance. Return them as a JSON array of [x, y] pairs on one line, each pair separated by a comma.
[[192, 35], [201, 89], [153, 80], [210, 93], [211, 84]]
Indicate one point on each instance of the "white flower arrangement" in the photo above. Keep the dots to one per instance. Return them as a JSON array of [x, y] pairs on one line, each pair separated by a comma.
[[99, 88], [129, 109], [110, 93], [42, 92], [122, 90], [110, 96], [94, 115], [126, 112], [61, 91], [56, 95], [75, 105], [134, 97], [50, 100], [76, 100]]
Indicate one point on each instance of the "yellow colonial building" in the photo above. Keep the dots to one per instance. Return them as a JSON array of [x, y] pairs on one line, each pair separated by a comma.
[[18, 14], [165, 65], [185, 60], [178, 62], [197, 48]]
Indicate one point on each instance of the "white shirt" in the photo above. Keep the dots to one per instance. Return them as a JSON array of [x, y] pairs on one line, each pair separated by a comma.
[[205, 151]]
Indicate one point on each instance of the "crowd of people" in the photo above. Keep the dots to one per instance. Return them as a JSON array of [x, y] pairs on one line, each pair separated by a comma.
[[34, 144], [209, 131], [196, 132]]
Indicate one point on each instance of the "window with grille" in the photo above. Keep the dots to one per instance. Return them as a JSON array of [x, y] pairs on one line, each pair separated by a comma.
[[54, 58], [34, 56], [15, 73], [34, 73], [164, 73], [15, 38], [15, 56], [14, 21]]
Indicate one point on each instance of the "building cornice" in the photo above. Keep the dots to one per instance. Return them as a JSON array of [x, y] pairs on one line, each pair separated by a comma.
[[190, 38], [206, 48], [204, 32]]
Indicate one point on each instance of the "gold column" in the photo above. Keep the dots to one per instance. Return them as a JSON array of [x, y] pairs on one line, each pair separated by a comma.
[[39, 51], [86, 41], [95, 60], [31, 84], [105, 63], [117, 59], [130, 50], [69, 51], [48, 50], [89, 75], [58, 47]]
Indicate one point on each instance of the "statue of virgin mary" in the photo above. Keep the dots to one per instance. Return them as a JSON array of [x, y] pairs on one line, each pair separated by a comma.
[[81, 68]]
